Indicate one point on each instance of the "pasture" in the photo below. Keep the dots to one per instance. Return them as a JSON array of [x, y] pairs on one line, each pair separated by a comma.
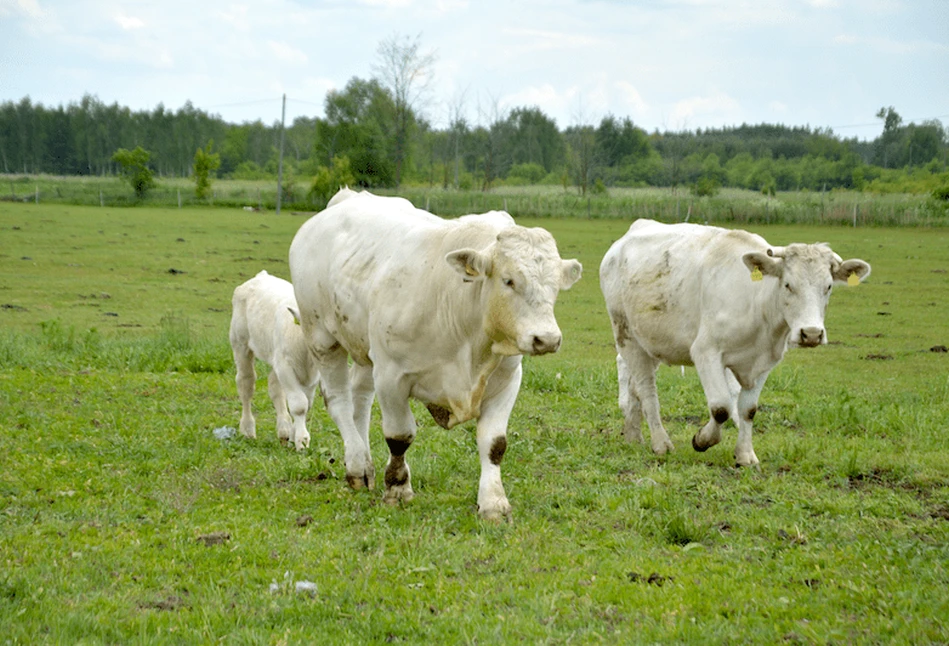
[[123, 519]]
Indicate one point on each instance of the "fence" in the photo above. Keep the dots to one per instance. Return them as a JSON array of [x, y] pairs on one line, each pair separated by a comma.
[[668, 205]]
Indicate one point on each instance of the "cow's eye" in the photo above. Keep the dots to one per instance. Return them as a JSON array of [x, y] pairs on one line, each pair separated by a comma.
[[508, 282], [787, 286]]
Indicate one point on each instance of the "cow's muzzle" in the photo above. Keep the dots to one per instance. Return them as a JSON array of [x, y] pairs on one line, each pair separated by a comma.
[[810, 337], [544, 343]]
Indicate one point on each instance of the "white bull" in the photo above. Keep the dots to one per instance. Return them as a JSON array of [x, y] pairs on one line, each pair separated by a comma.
[[432, 309], [263, 326], [724, 301]]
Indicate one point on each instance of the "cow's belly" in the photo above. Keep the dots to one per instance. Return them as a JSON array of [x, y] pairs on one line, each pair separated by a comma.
[[455, 393], [664, 336]]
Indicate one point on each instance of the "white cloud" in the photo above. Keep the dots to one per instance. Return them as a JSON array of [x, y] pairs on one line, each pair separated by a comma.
[[129, 22], [717, 107], [539, 95], [30, 8], [388, 4], [778, 106], [236, 16], [450, 5], [164, 60], [631, 97], [536, 39], [286, 53]]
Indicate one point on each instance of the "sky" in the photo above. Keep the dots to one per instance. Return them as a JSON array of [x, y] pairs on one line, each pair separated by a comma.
[[668, 65]]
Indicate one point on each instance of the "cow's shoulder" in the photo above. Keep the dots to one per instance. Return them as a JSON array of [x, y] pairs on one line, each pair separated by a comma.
[[497, 219]]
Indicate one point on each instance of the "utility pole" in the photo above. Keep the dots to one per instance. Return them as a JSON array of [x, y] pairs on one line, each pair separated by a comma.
[[283, 116]]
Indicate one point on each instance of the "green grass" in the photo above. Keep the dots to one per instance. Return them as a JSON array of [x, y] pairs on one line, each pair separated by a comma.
[[116, 496]]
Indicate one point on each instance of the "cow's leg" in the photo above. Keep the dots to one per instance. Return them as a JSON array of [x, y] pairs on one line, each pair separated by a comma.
[[629, 403], [296, 405], [641, 369], [246, 380], [747, 407], [492, 443], [334, 374], [398, 427], [279, 399], [363, 391], [718, 394]]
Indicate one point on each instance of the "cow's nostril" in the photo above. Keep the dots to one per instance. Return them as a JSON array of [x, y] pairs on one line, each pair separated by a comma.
[[544, 344], [811, 336]]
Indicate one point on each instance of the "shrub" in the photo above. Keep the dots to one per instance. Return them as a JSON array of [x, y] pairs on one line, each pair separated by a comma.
[[327, 181], [135, 169], [527, 174], [705, 187], [941, 193]]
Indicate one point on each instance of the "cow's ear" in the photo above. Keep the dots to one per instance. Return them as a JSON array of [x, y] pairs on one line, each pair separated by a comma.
[[764, 263], [848, 268], [295, 313], [471, 264], [570, 272]]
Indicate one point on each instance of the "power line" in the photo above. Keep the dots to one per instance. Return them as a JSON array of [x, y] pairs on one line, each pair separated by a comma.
[[242, 103], [306, 102]]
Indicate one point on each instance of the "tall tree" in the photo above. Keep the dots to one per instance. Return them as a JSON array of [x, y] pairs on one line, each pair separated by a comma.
[[891, 126], [535, 139], [406, 73], [205, 163], [357, 120]]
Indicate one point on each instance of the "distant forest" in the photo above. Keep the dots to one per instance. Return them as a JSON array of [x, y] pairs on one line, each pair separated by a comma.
[[372, 140]]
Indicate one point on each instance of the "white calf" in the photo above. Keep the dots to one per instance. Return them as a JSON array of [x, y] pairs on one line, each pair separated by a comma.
[[263, 326]]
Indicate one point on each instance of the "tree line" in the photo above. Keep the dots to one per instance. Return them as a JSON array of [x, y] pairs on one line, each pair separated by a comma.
[[375, 133]]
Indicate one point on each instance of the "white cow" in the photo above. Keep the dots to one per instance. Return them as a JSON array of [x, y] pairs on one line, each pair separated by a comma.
[[724, 301], [263, 326], [432, 309], [344, 193]]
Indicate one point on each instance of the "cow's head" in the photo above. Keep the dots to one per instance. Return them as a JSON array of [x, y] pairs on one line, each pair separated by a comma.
[[805, 275], [523, 273]]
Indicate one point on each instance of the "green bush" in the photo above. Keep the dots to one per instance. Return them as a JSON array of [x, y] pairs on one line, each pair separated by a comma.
[[327, 181], [134, 168], [527, 174], [705, 187]]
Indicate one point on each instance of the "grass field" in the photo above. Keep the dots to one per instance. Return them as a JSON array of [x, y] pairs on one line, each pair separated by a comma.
[[124, 520]]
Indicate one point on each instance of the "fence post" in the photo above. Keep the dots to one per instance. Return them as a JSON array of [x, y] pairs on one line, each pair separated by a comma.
[[854, 215], [179, 198], [101, 201]]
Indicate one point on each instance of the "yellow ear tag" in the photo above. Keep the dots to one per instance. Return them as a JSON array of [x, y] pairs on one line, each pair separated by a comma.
[[756, 275], [296, 321], [853, 280]]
